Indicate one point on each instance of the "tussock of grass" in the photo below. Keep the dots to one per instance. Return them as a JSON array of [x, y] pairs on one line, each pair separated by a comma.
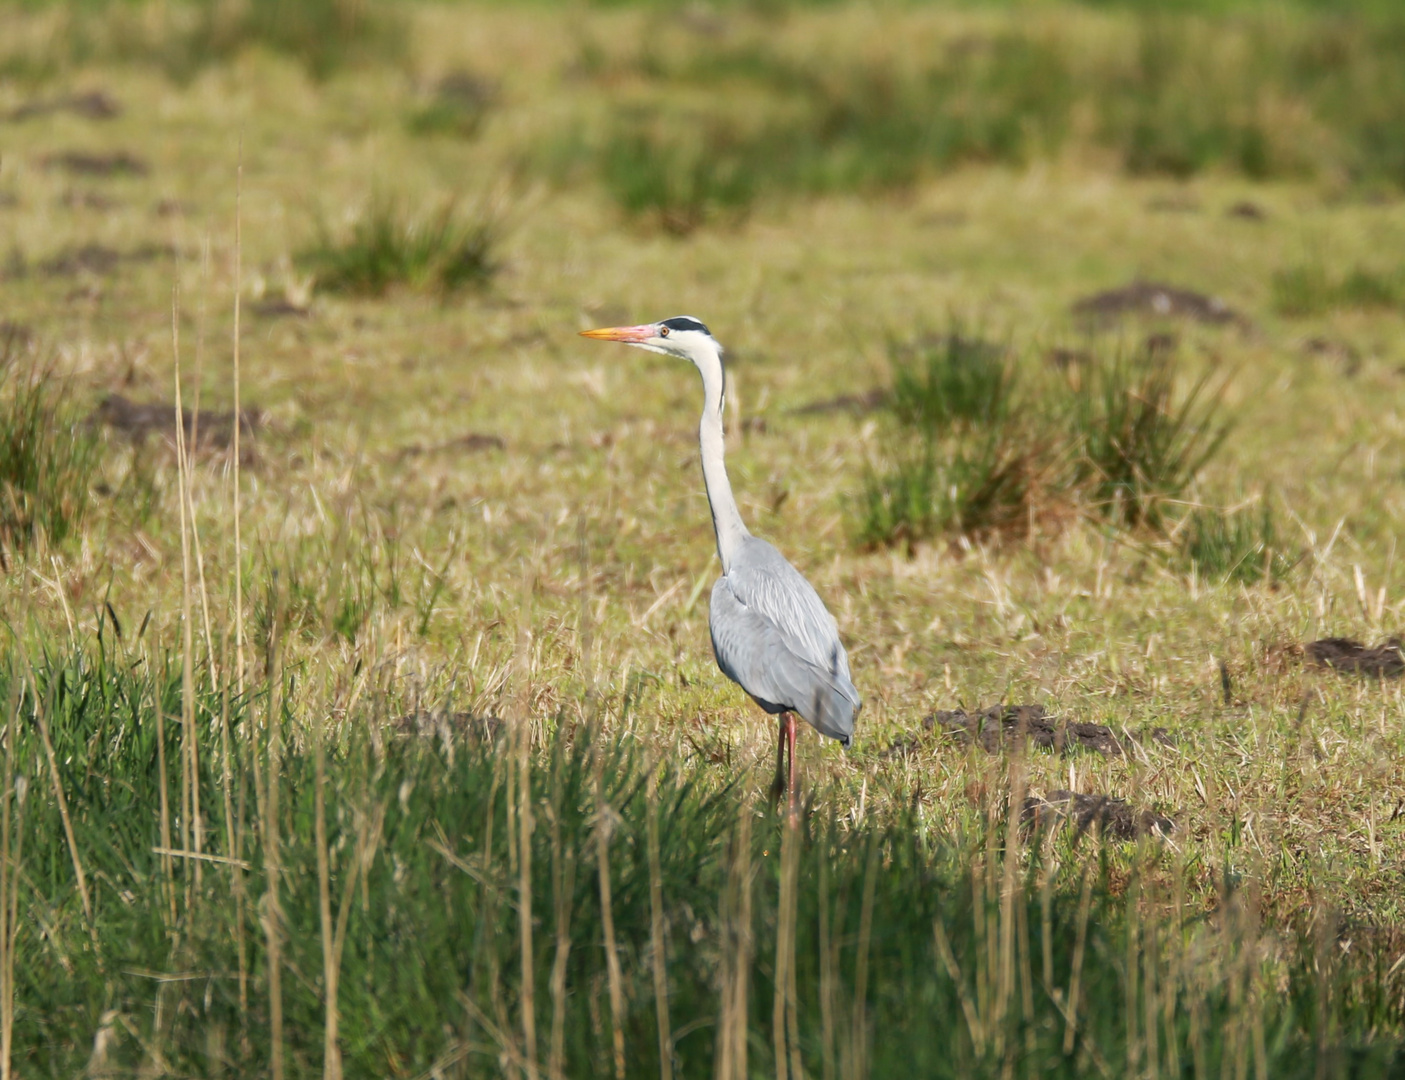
[[459, 106], [48, 457], [682, 174], [1141, 439], [1309, 289], [968, 464], [1235, 545], [981, 450], [951, 379], [324, 35], [385, 247]]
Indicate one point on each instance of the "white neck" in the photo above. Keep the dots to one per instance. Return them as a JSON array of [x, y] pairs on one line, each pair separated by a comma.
[[726, 519]]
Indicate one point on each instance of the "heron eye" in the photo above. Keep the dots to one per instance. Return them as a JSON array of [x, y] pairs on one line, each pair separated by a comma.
[[663, 331]]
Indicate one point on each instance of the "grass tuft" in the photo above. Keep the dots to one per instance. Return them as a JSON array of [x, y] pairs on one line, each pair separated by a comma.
[[386, 247], [48, 457], [978, 450], [1140, 441], [1308, 289], [682, 175], [324, 36], [1235, 545], [968, 460], [950, 378], [460, 104]]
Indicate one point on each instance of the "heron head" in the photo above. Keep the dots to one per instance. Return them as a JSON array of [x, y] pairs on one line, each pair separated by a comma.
[[682, 336]]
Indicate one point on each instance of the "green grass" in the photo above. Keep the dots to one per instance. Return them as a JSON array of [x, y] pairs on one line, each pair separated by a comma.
[[1309, 289], [48, 458], [324, 37], [966, 458], [459, 106], [982, 448], [426, 845], [1141, 436], [1240, 545], [386, 247], [949, 379], [1262, 96], [683, 173]]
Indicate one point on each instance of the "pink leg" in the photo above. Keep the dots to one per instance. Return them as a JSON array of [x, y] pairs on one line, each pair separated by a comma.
[[779, 785], [790, 741]]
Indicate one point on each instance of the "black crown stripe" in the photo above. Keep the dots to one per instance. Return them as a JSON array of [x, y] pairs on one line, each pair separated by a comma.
[[682, 322]]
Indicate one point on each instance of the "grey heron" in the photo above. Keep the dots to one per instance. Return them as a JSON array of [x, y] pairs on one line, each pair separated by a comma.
[[771, 633]]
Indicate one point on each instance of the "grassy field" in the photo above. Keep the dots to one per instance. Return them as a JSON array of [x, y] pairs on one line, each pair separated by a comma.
[[1066, 356]]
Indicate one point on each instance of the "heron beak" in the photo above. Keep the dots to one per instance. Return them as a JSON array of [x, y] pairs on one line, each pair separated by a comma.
[[630, 334]]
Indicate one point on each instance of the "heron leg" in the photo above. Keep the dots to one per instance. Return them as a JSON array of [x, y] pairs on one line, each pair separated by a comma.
[[779, 786], [790, 727]]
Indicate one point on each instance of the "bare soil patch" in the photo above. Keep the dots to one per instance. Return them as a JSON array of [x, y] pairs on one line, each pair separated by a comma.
[[474, 442], [1156, 300], [88, 200], [101, 260], [854, 403], [83, 163], [1247, 211], [1386, 660], [214, 430], [992, 728], [1116, 818], [1340, 352], [279, 308], [445, 723], [91, 104]]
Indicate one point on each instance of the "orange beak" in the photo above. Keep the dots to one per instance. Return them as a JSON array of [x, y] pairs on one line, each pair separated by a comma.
[[622, 333]]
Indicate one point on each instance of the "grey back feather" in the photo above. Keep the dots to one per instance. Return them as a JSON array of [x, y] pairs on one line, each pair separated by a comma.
[[773, 636]]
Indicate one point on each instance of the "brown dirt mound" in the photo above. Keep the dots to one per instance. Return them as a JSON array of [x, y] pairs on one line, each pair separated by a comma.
[[993, 727], [278, 307], [100, 259], [997, 725], [425, 723], [1117, 819], [215, 430], [1247, 211], [472, 443], [81, 163], [855, 403], [1150, 298], [1343, 654], [92, 105]]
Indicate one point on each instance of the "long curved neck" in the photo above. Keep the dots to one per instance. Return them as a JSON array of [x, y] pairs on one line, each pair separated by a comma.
[[726, 519]]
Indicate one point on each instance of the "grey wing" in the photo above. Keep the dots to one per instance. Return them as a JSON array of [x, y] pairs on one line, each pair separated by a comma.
[[754, 654], [774, 637], [763, 580]]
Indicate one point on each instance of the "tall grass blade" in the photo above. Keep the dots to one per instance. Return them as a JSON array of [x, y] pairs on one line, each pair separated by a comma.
[[238, 411], [603, 827], [656, 927], [272, 914]]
